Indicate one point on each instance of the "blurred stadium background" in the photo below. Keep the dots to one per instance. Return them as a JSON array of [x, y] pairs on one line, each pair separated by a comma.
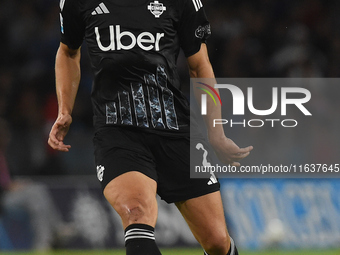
[[251, 38]]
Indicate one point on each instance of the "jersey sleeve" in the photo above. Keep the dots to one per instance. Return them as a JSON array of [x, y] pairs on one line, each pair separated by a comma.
[[72, 25], [194, 27]]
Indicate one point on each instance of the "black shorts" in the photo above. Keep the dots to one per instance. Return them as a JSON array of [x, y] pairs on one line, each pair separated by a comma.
[[165, 159]]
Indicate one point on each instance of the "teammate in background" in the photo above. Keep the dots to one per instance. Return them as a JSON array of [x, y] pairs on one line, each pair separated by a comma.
[[141, 117]]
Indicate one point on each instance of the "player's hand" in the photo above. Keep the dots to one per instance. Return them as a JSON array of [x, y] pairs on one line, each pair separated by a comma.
[[228, 152], [58, 133]]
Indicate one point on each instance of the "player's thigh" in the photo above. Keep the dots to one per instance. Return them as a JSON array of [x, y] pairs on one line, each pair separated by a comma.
[[133, 196], [205, 217]]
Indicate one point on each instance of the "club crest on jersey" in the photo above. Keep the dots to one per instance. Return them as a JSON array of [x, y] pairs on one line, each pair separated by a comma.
[[156, 8]]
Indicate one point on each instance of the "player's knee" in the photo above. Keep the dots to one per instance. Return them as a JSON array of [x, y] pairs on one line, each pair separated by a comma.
[[131, 208], [135, 211], [217, 244]]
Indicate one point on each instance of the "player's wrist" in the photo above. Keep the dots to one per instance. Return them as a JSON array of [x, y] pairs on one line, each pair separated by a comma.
[[65, 117], [64, 112], [216, 138]]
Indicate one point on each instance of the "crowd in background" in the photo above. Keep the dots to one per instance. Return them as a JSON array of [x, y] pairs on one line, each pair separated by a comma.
[[251, 38]]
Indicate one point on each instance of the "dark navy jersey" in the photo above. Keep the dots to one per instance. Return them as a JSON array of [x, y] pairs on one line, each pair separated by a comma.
[[133, 47]]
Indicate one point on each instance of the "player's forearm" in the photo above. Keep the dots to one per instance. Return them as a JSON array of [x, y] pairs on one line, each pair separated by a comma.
[[200, 67], [213, 111], [67, 70]]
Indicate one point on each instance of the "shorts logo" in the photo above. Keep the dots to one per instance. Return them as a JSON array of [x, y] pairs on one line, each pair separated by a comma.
[[100, 172], [156, 8]]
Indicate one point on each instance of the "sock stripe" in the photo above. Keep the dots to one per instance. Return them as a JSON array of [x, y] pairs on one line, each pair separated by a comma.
[[136, 230], [139, 233], [139, 237]]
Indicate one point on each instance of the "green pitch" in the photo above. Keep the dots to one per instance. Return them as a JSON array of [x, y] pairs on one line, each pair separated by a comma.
[[177, 252]]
